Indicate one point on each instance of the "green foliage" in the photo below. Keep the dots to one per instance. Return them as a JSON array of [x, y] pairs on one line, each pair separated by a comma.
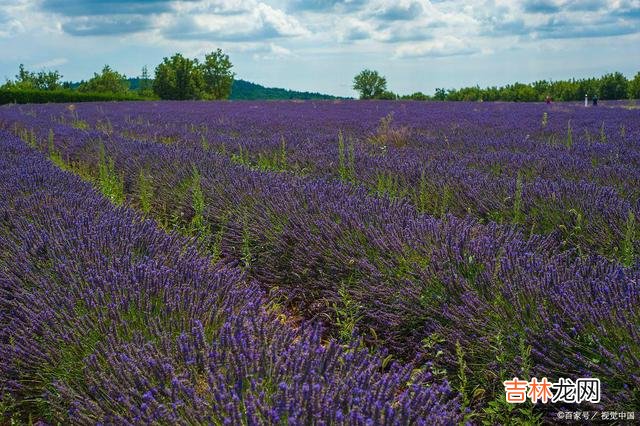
[[609, 86], [351, 161], [387, 95], [54, 155], [183, 78], [633, 89], [440, 94], [346, 159], [347, 314], [272, 161], [422, 196], [28, 80], [108, 81], [283, 153], [198, 226], [246, 252], [145, 191], [245, 90], [462, 377], [28, 137], [518, 215], [446, 199], [387, 184], [499, 411], [613, 86], [370, 84], [242, 157], [417, 96], [627, 252], [217, 75], [179, 78], [109, 182], [145, 84], [12, 96], [569, 141]]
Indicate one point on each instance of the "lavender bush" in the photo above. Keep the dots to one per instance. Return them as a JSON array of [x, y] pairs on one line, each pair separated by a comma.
[[107, 319], [477, 241]]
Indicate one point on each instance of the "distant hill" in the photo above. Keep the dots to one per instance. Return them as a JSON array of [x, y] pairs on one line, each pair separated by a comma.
[[244, 90], [250, 91]]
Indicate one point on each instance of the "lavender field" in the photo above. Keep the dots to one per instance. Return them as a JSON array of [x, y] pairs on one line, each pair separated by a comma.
[[330, 262]]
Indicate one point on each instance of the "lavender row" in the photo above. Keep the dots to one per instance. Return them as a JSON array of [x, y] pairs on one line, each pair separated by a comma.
[[106, 319], [493, 162], [441, 290]]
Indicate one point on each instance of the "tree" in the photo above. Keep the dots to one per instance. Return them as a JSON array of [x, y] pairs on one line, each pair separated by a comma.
[[416, 96], [217, 75], [634, 87], [43, 80], [144, 89], [440, 94], [370, 84], [178, 78], [108, 81], [387, 95], [613, 86]]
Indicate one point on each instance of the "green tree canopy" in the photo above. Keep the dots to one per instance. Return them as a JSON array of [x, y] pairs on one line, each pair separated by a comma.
[[144, 89], [613, 86], [416, 96], [108, 81], [370, 84], [634, 87], [179, 78], [217, 75], [43, 80], [609, 86]]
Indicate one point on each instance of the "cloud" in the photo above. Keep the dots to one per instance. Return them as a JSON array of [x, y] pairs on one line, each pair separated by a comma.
[[271, 51], [399, 11], [326, 5], [49, 63], [562, 19], [107, 25], [355, 29], [440, 48], [540, 6], [568, 29], [105, 7], [262, 22], [9, 25], [217, 7]]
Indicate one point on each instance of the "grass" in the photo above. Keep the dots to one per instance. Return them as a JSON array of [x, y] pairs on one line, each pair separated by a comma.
[[518, 215], [145, 192], [198, 225], [627, 250], [346, 159], [569, 139], [347, 314], [110, 183]]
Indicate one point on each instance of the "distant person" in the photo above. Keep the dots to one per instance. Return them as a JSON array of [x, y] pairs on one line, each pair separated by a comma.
[[595, 100], [547, 99]]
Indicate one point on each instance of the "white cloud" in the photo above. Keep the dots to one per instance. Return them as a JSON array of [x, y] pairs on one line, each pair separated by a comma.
[[49, 63], [270, 52], [442, 47], [251, 21]]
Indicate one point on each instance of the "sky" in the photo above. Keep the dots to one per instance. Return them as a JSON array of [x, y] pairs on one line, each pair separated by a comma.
[[319, 45]]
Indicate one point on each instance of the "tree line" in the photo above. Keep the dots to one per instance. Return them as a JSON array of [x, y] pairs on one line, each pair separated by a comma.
[[179, 77], [371, 85], [176, 77]]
